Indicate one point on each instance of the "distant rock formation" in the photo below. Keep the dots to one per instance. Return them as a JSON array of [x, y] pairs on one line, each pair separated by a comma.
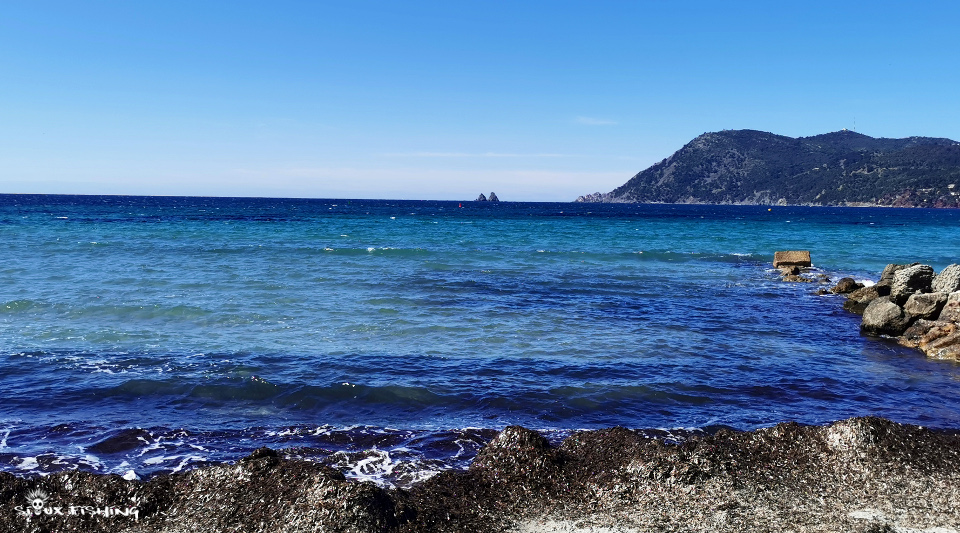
[[492, 198], [759, 168]]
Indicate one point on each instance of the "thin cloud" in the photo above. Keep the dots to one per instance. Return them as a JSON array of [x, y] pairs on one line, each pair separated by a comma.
[[465, 154], [590, 121]]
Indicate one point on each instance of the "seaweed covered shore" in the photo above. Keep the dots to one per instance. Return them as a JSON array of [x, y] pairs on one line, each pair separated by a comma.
[[861, 474]]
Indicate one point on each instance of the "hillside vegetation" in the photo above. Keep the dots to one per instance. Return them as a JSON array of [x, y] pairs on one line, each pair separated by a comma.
[[840, 168]]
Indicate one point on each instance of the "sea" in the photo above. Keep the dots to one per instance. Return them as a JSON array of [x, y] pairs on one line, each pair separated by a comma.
[[393, 339]]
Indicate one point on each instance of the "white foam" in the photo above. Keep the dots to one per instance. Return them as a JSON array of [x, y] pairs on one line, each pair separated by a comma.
[[186, 460], [28, 463], [92, 460], [3, 440]]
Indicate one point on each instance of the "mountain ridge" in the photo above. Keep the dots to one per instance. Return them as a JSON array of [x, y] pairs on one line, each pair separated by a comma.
[[838, 168]]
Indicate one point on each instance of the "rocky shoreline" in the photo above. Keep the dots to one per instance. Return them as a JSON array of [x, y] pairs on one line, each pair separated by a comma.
[[860, 475], [912, 304]]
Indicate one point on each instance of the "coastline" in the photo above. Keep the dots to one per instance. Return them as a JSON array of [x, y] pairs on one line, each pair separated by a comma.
[[861, 474], [621, 480]]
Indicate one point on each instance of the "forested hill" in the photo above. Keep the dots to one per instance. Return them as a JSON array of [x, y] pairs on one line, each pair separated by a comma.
[[839, 168]]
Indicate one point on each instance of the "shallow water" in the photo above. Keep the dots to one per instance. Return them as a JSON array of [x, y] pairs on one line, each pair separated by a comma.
[[391, 338]]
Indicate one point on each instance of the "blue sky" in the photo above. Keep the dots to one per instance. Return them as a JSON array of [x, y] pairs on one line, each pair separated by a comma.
[[443, 100]]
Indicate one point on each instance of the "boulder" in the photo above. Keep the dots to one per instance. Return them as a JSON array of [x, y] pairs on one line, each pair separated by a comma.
[[919, 332], [799, 258], [948, 280], [481, 198], [925, 305], [883, 317], [886, 277], [944, 347], [911, 280], [858, 300], [846, 286], [493, 197], [888, 271], [951, 309], [790, 270]]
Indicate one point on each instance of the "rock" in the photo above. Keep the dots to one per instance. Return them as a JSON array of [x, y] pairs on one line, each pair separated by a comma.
[[791, 258], [481, 198], [916, 333], [846, 286], [937, 329], [883, 317], [910, 280], [789, 477], [797, 279], [948, 280], [888, 271], [858, 300], [789, 271], [946, 346], [951, 309], [493, 197], [886, 277], [925, 305], [595, 197]]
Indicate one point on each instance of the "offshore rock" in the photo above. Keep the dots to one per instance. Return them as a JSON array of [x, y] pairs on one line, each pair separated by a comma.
[[790, 270], [493, 197], [948, 280], [481, 198], [798, 258], [857, 475], [925, 305], [846, 286], [884, 317], [910, 280]]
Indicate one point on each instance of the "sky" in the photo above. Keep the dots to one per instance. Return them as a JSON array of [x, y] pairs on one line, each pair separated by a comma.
[[536, 101]]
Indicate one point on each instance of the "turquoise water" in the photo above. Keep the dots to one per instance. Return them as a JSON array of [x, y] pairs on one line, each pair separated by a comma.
[[392, 337]]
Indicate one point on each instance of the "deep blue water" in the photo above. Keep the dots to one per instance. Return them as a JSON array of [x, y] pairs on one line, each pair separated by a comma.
[[391, 338]]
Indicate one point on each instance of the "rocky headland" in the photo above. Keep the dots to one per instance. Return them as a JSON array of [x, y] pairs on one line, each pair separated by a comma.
[[751, 167]]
